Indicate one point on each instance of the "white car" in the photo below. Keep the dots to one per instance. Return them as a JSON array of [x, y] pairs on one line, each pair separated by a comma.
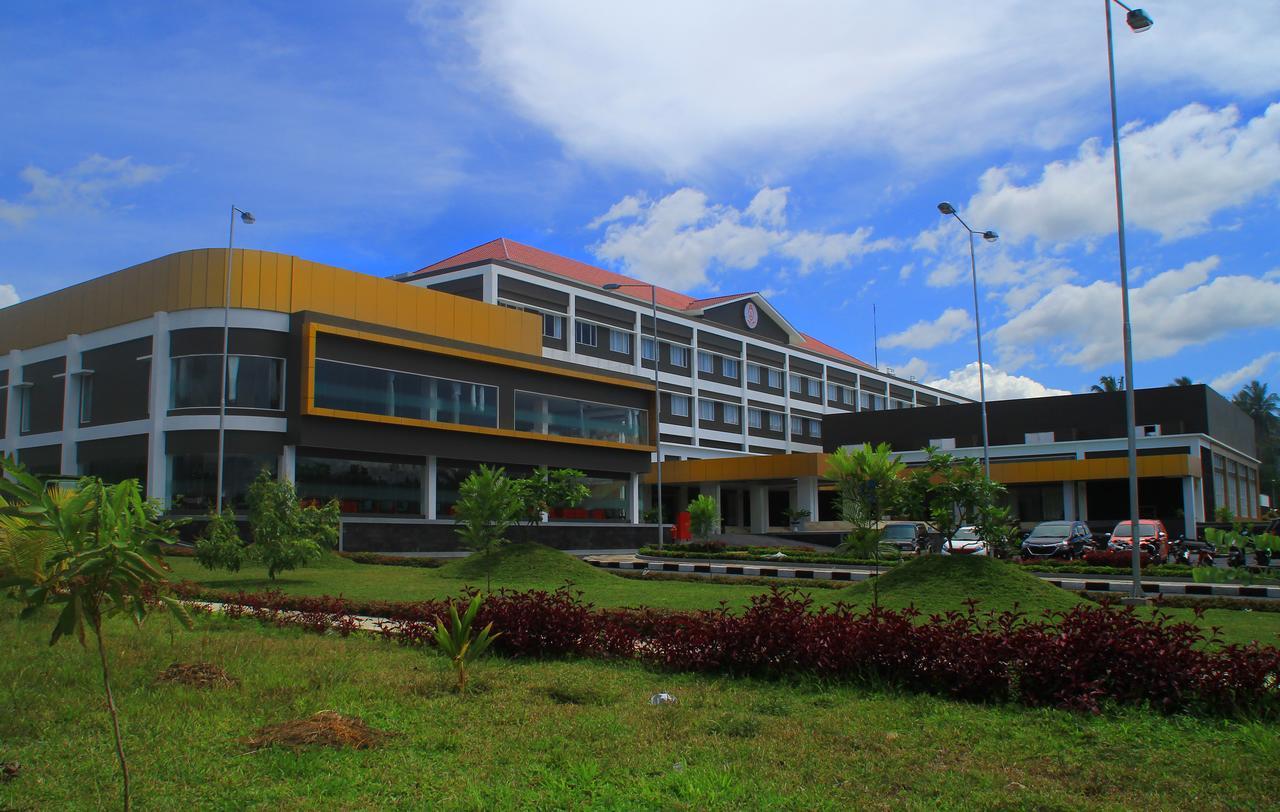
[[965, 542]]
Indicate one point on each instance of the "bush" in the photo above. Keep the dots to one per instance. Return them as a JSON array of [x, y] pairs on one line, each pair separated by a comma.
[[219, 546], [393, 560], [1083, 659], [704, 517], [1116, 558]]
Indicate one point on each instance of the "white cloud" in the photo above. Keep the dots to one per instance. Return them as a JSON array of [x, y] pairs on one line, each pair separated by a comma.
[[9, 295], [1000, 385], [950, 326], [917, 369], [678, 239], [1179, 173], [85, 185], [679, 86], [1228, 381], [1080, 324]]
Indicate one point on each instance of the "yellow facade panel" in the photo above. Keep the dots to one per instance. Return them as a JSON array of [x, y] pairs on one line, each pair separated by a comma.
[[249, 272]]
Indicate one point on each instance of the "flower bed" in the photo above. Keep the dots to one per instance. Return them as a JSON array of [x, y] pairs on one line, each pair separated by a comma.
[[1083, 659]]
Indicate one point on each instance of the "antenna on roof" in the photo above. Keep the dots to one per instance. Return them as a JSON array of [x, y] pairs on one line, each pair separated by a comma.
[[875, 335]]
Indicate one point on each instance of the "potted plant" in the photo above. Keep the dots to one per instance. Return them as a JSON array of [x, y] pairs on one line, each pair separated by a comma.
[[796, 517]]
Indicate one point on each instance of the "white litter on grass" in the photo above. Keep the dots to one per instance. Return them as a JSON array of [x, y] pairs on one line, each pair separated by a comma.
[[778, 554], [663, 698]]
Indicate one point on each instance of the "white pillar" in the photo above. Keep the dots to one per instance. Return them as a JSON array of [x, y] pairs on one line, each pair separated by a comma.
[[807, 496], [12, 419], [571, 327], [157, 409], [71, 383], [1189, 506], [429, 489], [490, 284], [633, 498], [289, 465], [759, 498], [1069, 501]]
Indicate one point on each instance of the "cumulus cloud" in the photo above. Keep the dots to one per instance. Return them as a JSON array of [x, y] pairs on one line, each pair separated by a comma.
[[950, 326], [678, 86], [1001, 385], [85, 185], [678, 239], [1228, 381], [1179, 173], [1080, 324], [917, 369], [9, 295]]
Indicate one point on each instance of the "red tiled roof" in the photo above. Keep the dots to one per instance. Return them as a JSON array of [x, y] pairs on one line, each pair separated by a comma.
[[504, 249]]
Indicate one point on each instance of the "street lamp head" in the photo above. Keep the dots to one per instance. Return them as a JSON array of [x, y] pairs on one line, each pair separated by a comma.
[[1138, 20], [612, 286], [990, 236], [946, 208], [247, 218]]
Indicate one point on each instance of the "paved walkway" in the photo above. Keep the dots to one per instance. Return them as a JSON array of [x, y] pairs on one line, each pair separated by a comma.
[[835, 572]]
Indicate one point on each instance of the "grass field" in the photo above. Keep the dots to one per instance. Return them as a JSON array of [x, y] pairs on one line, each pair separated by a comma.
[[579, 735], [933, 584]]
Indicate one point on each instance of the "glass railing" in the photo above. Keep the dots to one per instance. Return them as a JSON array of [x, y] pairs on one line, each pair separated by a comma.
[[565, 417], [356, 388]]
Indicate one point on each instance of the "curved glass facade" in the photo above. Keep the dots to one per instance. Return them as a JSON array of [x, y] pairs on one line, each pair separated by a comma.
[[369, 390], [565, 417]]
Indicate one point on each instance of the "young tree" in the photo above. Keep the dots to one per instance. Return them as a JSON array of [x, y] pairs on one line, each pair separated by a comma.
[[951, 492], [867, 483], [488, 504], [545, 489], [220, 546], [93, 551], [704, 517], [286, 533]]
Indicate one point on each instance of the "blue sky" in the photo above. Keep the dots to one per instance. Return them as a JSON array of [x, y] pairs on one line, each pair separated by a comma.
[[799, 149]]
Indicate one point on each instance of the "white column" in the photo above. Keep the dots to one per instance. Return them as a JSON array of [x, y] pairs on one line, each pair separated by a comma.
[[490, 284], [633, 498], [693, 386], [289, 464], [12, 419], [1190, 507], [157, 409], [571, 327], [758, 495], [1069, 501], [786, 402], [1083, 493], [637, 357], [429, 489], [807, 496], [71, 383]]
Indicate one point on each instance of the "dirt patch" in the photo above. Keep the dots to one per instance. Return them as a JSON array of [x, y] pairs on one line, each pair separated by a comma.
[[324, 729], [9, 770], [200, 675]]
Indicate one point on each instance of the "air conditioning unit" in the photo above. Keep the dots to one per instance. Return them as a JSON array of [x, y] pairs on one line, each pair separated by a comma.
[[1149, 430]]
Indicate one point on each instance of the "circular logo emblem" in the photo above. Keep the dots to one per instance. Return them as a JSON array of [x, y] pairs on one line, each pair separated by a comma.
[[751, 314]]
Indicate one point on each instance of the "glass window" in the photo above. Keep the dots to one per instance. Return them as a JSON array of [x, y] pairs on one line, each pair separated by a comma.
[[619, 341], [646, 349], [24, 409], [729, 367], [362, 486], [86, 398], [871, 402], [833, 392], [775, 421], [797, 425], [552, 325], [193, 479], [754, 373], [797, 384], [680, 405], [706, 409], [1034, 437], [679, 356], [755, 418], [815, 428], [253, 382], [355, 388], [846, 395], [775, 378], [731, 414], [586, 333], [570, 417], [705, 362], [814, 387]]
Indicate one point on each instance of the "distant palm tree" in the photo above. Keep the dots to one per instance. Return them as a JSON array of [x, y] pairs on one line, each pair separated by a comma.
[[1108, 383], [1255, 401], [1181, 380]]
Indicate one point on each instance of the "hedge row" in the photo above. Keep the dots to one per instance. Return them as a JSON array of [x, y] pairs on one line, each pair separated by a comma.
[[1084, 659]]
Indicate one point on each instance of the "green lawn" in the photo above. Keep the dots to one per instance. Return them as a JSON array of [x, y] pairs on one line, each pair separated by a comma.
[[551, 735], [934, 584]]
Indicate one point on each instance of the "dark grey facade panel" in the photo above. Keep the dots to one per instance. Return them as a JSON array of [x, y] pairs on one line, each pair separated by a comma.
[[770, 358], [45, 395], [764, 432], [720, 444], [761, 449], [592, 310], [716, 396], [1228, 422], [764, 387], [561, 343], [717, 377], [873, 385], [678, 439], [667, 330], [470, 287], [240, 341], [44, 460], [121, 383], [900, 392], [836, 375], [237, 442], [111, 448], [718, 343], [801, 413], [733, 315], [760, 404], [926, 400], [519, 290], [806, 367], [672, 387], [673, 419], [1142, 452]]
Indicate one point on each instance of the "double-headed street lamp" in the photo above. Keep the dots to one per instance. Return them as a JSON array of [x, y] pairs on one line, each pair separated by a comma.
[[1138, 21], [657, 391], [989, 236], [248, 219]]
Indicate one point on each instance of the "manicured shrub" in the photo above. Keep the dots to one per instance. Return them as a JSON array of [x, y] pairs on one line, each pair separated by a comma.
[[1116, 558], [393, 560]]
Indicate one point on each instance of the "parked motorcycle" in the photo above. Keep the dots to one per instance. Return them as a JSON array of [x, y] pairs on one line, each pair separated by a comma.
[[1236, 557]]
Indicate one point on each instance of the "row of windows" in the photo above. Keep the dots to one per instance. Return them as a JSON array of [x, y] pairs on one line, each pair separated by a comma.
[[756, 418], [767, 376], [804, 385]]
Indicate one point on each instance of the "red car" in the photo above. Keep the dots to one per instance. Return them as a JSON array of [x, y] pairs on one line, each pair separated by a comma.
[[1152, 537]]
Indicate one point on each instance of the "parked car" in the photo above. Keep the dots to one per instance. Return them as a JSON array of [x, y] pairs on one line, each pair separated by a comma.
[[966, 542], [1057, 540], [1151, 536], [911, 537]]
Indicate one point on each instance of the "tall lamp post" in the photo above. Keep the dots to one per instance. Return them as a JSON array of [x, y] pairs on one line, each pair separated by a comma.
[[989, 236], [1138, 21], [248, 219], [657, 391]]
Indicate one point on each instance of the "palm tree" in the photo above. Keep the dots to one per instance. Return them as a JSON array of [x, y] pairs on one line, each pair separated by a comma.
[[1261, 405], [1108, 383], [1181, 380]]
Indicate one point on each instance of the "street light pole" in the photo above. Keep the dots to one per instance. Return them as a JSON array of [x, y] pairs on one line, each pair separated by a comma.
[[248, 220], [657, 390], [1138, 21], [989, 236]]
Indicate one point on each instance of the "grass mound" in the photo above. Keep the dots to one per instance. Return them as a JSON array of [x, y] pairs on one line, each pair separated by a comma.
[[527, 565], [324, 729], [199, 675], [938, 583]]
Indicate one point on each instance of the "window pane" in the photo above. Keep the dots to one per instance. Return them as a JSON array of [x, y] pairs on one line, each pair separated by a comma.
[[619, 341], [755, 418], [731, 414], [775, 421], [646, 349], [193, 478], [680, 405], [730, 369], [705, 362], [679, 357], [252, 382], [815, 387], [753, 373], [552, 326], [361, 486], [797, 384], [354, 388], [586, 333], [566, 417], [775, 379], [706, 410]]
